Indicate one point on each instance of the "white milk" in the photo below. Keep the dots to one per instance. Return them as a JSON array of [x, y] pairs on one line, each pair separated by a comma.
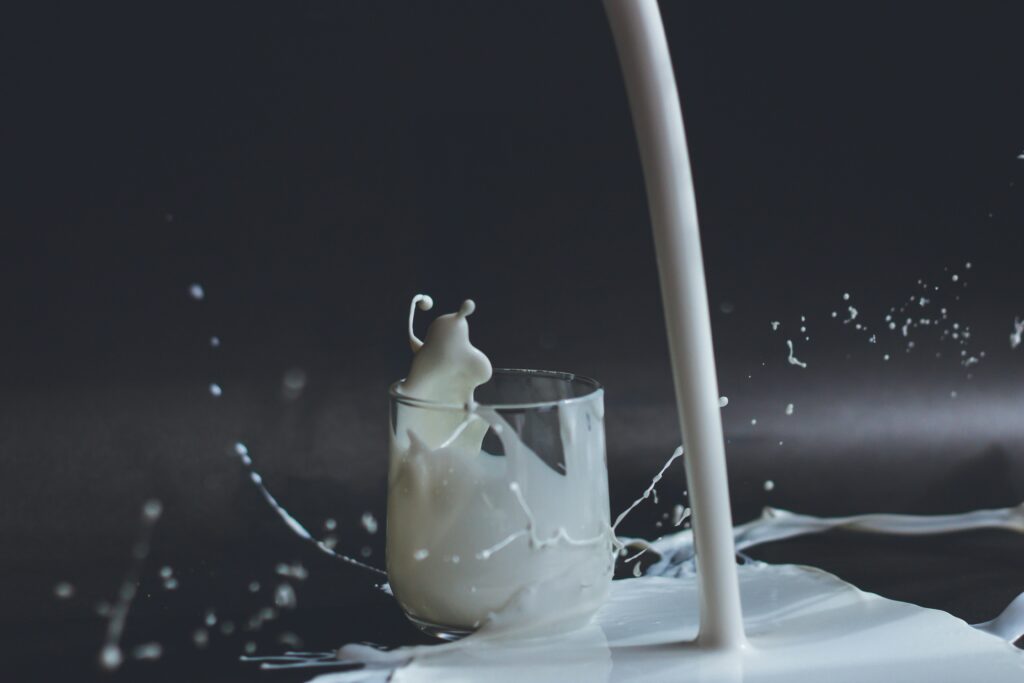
[[803, 626], [471, 535]]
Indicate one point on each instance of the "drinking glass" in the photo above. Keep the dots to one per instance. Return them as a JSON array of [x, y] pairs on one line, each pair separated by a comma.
[[498, 510]]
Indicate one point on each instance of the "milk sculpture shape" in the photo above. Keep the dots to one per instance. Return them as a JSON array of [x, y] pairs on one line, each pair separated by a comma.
[[505, 539]]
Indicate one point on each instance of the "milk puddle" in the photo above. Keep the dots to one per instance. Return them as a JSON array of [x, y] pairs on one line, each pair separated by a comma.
[[803, 625]]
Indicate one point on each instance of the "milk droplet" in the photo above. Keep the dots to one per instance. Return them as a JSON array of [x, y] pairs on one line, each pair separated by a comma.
[[201, 637], [330, 524], [284, 596], [250, 648], [369, 522], [955, 277], [295, 571], [793, 360], [215, 342], [290, 640], [254, 586], [952, 394], [789, 409], [215, 390], [63, 590], [421, 554], [679, 514], [111, 657], [885, 357], [152, 509], [1018, 331], [171, 584], [366, 551], [227, 627], [775, 325], [195, 290], [723, 401], [166, 572], [211, 618], [150, 651], [753, 421], [846, 296], [293, 383], [769, 485]]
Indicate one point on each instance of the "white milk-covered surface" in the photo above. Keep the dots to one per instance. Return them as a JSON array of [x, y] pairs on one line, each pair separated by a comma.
[[471, 535], [803, 624]]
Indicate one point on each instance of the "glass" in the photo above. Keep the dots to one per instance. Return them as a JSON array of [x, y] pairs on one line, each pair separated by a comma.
[[499, 510]]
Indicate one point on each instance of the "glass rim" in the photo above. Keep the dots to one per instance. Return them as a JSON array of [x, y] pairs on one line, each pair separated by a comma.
[[596, 389]]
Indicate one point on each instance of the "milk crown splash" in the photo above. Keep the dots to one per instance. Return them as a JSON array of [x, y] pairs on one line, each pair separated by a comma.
[[446, 367]]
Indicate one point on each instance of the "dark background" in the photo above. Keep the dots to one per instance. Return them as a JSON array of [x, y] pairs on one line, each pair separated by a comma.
[[313, 165]]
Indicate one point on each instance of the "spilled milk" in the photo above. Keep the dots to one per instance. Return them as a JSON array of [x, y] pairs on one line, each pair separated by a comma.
[[803, 624]]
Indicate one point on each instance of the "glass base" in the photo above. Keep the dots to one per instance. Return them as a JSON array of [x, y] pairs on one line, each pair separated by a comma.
[[448, 633]]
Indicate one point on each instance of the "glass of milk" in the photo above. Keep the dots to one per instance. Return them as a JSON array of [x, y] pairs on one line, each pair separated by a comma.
[[498, 513]]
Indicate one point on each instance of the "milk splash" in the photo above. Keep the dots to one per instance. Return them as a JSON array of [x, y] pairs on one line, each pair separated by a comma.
[[473, 538], [242, 451], [111, 656], [637, 633]]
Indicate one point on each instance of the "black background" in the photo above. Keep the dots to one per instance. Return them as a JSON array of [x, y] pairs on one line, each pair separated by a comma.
[[313, 165]]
